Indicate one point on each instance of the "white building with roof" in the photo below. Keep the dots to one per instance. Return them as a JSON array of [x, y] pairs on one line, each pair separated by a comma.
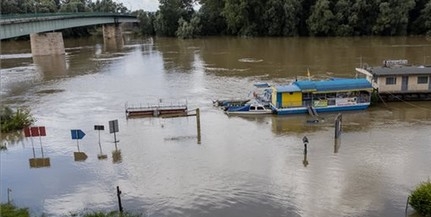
[[397, 78]]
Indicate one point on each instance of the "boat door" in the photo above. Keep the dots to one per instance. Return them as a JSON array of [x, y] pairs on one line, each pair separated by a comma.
[[405, 83]]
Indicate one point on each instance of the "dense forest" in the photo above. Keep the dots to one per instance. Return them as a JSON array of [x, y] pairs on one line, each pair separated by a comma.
[[180, 18]]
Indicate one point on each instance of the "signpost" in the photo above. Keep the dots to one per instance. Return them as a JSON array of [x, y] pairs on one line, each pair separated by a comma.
[[113, 128], [78, 134], [33, 132], [100, 128]]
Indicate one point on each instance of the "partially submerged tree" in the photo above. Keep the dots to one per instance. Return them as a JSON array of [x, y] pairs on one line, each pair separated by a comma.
[[12, 121]]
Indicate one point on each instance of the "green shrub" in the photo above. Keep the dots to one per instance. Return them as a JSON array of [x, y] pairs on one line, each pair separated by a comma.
[[9, 210], [12, 121], [420, 199]]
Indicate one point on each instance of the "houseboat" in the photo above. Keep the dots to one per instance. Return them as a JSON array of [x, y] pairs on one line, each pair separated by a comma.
[[397, 80], [331, 95]]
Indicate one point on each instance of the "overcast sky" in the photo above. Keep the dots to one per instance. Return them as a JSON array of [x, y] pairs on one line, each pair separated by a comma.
[[146, 5]]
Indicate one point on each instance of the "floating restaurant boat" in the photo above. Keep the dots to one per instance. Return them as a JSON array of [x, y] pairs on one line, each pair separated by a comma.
[[309, 96]]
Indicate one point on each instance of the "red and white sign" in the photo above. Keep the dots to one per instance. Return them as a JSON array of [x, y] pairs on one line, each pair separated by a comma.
[[34, 131]]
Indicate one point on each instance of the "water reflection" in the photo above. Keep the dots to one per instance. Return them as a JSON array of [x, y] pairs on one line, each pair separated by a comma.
[[39, 162], [113, 45], [178, 55], [116, 156], [295, 124], [79, 156], [36, 162], [51, 66], [337, 144]]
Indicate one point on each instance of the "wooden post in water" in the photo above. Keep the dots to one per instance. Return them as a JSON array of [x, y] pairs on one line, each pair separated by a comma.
[[8, 195], [305, 141], [198, 124], [120, 206], [407, 205], [338, 127]]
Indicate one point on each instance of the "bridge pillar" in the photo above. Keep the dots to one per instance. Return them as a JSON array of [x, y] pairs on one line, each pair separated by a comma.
[[47, 44], [113, 36]]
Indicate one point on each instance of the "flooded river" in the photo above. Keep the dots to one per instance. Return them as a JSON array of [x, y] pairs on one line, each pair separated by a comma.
[[251, 166]]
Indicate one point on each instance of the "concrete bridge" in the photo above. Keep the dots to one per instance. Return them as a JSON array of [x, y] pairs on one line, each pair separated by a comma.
[[42, 43]]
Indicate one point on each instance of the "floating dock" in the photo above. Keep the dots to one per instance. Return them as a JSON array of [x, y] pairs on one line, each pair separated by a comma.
[[155, 110]]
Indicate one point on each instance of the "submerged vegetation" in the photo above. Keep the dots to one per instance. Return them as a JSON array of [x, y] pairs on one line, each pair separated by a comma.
[[420, 199], [9, 210], [14, 120]]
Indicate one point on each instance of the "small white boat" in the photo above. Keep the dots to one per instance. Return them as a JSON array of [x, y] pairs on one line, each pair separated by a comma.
[[248, 109]]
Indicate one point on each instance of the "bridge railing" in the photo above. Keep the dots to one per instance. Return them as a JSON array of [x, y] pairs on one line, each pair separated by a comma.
[[67, 14]]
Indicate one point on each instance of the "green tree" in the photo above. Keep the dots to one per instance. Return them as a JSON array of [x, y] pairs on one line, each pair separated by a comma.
[[321, 21], [342, 13], [213, 23], [170, 12], [107, 6], [292, 17], [189, 29], [415, 25], [393, 17], [45, 6], [274, 17], [243, 17], [146, 20], [235, 15], [75, 6], [426, 15], [167, 17], [422, 24], [306, 7], [420, 198], [362, 17]]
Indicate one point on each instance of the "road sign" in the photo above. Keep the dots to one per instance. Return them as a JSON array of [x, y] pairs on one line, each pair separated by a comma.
[[113, 126], [77, 134], [42, 131], [34, 131], [99, 127], [27, 132]]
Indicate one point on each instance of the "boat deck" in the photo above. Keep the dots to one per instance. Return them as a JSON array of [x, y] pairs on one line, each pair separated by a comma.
[[155, 110]]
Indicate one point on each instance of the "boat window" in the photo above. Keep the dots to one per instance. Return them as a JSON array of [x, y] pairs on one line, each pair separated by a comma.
[[319, 96], [306, 96], [391, 80], [330, 95], [252, 108], [259, 108], [422, 79], [342, 95]]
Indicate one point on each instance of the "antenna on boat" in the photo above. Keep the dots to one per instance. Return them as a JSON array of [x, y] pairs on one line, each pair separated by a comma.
[[308, 74]]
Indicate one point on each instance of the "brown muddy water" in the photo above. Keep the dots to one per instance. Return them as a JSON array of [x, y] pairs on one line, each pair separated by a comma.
[[244, 166]]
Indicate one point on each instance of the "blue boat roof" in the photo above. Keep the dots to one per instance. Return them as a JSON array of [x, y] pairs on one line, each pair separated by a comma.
[[333, 84], [288, 88]]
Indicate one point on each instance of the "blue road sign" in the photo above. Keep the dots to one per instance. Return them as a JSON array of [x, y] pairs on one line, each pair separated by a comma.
[[77, 134]]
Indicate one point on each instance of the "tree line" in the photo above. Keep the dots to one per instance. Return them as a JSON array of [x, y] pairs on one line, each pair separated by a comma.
[[182, 18], [288, 18]]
